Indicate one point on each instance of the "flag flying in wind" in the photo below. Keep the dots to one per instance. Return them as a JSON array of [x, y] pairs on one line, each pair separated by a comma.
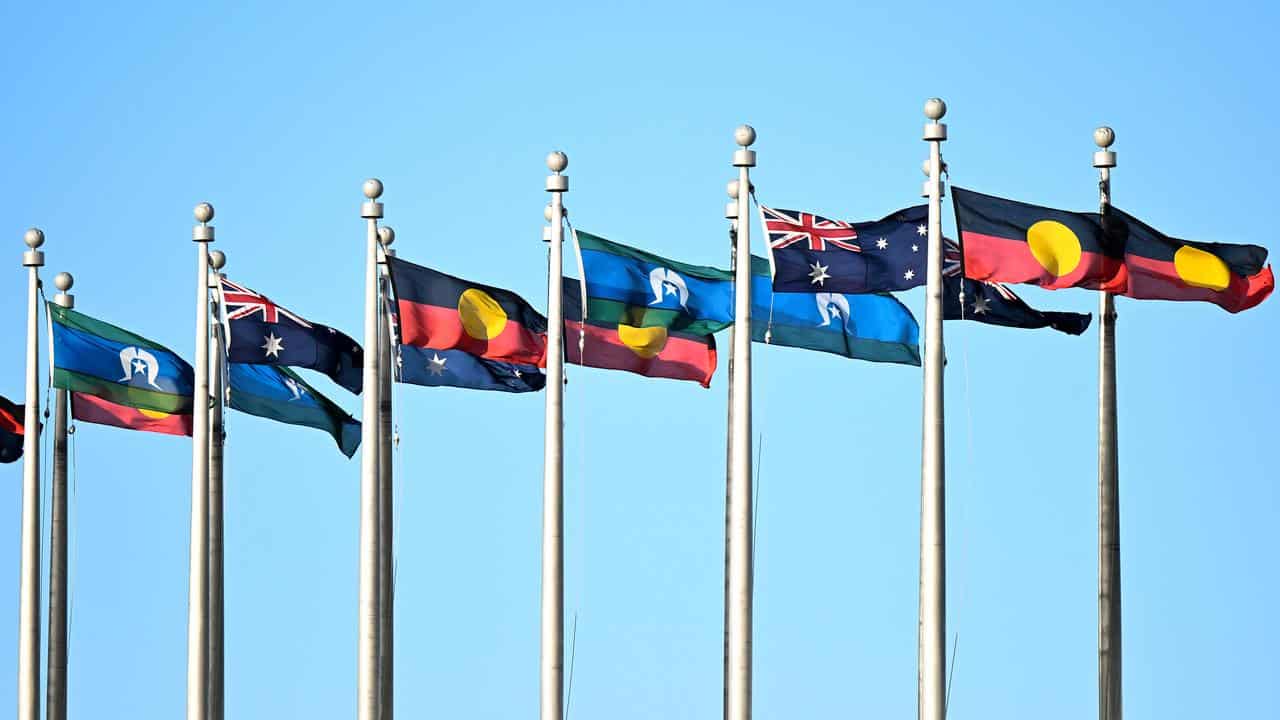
[[627, 286], [1009, 241], [277, 393], [12, 430], [455, 368], [261, 332], [653, 351], [444, 312], [119, 378], [811, 253], [865, 326], [994, 303]]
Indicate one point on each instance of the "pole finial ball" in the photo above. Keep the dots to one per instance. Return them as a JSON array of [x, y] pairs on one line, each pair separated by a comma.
[[745, 135], [203, 212], [34, 238], [217, 259], [935, 108], [63, 281], [557, 161], [1104, 136], [373, 188], [386, 235], [732, 189]]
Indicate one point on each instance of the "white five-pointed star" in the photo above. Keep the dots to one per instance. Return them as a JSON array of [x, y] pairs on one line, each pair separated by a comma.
[[436, 364], [882, 243], [139, 366], [922, 230], [818, 272], [671, 289], [915, 248], [908, 274], [273, 345], [980, 305]]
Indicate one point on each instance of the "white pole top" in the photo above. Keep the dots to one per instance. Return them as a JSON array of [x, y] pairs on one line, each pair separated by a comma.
[[373, 188], [203, 212], [34, 238], [557, 161], [935, 109]]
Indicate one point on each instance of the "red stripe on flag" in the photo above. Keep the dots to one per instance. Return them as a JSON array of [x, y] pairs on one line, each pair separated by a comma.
[[441, 328], [9, 423], [1150, 279], [91, 409], [999, 259], [680, 359]]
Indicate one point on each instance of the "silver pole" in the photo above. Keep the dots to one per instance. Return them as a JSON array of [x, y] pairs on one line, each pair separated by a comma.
[[730, 214], [738, 682], [552, 654], [931, 690], [1110, 705], [368, 680], [217, 436], [29, 574], [56, 692], [386, 517], [198, 571]]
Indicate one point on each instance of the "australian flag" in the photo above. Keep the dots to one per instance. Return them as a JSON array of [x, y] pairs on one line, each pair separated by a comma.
[[994, 303], [812, 254], [260, 332]]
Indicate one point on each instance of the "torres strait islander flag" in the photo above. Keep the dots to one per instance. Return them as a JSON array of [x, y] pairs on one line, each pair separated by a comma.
[[1008, 241], [607, 340], [118, 378], [444, 312]]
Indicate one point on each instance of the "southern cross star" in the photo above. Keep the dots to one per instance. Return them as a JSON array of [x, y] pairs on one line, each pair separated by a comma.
[[818, 272], [908, 274], [980, 305], [436, 364], [915, 248], [882, 243], [272, 346], [922, 231]]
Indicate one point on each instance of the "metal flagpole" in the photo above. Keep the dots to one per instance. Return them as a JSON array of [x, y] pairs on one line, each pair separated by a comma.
[[198, 570], [730, 214], [931, 690], [217, 436], [56, 692], [1110, 705], [738, 679], [368, 678], [552, 652], [29, 575], [386, 518]]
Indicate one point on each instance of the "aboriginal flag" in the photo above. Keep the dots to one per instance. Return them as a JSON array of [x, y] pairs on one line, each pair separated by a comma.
[[12, 431], [1009, 241], [443, 312], [615, 337]]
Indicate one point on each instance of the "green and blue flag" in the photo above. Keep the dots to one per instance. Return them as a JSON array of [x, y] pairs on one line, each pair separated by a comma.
[[277, 393]]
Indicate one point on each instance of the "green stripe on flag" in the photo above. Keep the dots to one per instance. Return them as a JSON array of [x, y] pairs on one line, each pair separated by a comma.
[[120, 394], [587, 241], [611, 313], [84, 323]]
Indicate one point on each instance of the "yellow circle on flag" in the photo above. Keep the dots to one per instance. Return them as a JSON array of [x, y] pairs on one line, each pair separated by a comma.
[[482, 316], [153, 414], [1054, 246], [1198, 268], [646, 342]]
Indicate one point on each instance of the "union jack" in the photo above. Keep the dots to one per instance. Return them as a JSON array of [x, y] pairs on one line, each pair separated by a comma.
[[951, 268], [789, 227], [241, 302]]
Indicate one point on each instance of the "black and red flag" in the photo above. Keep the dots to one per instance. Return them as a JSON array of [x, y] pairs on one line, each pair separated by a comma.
[[12, 430], [444, 312], [1009, 241]]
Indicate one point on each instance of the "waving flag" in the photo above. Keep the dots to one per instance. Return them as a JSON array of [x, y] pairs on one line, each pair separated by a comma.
[[277, 393], [455, 368], [994, 303], [263, 333], [118, 378], [12, 430], [814, 254]]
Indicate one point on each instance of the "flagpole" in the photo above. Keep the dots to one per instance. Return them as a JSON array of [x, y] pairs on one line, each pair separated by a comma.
[[217, 436], [730, 214], [29, 574], [552, 647], [198, 570], [368, 676], [386, 584], [1110, 705], [56, 692], [738, 680], [931, 690]]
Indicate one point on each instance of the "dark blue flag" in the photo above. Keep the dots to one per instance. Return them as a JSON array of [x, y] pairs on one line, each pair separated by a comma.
[[812, 254], [277, 393], [260, 332], [994, 303], [456, 368]]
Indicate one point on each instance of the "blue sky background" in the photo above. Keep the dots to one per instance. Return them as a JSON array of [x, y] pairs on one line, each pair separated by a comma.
[[119, 119]]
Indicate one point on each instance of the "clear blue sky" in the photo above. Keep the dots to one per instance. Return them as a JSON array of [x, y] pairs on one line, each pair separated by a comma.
[[119, 119]]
